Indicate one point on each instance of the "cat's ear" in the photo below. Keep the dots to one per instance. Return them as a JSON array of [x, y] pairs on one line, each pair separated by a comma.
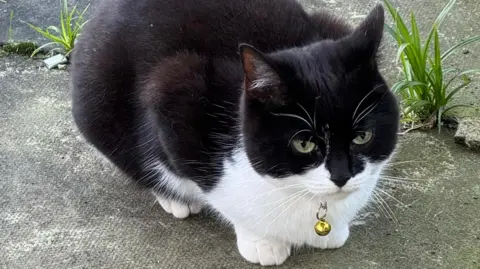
[[364, 41], [262, 82]]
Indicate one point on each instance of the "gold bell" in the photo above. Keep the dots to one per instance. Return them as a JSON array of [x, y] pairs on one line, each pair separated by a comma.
[[322, 227]]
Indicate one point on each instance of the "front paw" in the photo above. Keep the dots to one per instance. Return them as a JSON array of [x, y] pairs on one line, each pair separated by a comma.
[[336, 239], [267, 252], [178, 209]]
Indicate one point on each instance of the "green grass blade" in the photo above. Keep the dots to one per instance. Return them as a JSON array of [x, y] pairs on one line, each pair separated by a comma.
[[62, 25], [460, 45], [401, 50], [471, 71], [457, 89], [437, 23], [53, 28], [413, 56], [73, 27], [390, 8], [70, 18], [415, 33], [439, 89], [9, 34], [450, 70], [427, 43], [455, 106], [80, 16], [401, 85], [392, 32], [402, 29], [44, 33], [79, 28], [41, 47], [419, 104], [461, 74], [444, 13]]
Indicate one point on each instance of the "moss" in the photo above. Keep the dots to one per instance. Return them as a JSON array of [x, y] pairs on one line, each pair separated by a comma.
[[22, 48]]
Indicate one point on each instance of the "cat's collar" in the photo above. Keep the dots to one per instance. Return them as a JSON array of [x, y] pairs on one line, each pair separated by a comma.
[[322, 227]]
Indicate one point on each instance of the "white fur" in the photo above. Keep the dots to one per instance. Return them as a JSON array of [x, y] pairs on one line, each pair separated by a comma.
[[262, 82], [272, 215], [178, 209], [283, 211], [182, 187], [265, 76]]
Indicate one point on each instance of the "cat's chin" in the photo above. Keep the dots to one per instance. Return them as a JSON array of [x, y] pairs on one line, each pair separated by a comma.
[[336, 195], [340, 195]]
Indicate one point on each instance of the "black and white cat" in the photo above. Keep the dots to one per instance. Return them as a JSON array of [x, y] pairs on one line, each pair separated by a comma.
[[254, 108]]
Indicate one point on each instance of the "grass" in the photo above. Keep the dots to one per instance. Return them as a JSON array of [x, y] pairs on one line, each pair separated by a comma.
[[22, 48], [427, 87], [11, 47], [9, 33], [64, 36]]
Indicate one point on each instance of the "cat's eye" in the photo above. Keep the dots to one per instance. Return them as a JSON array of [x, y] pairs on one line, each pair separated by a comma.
[[303, 146], [363, 138]]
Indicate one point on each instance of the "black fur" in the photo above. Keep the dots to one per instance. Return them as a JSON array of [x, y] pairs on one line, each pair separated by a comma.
[[163, 80]]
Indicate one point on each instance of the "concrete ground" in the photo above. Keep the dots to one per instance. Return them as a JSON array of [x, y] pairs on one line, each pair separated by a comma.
[[64, 206]]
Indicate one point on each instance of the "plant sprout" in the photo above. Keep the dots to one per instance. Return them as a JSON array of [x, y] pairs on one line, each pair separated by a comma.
[[71, 24], [425, 89]]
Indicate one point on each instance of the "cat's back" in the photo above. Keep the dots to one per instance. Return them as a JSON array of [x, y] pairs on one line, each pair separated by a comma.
[[153, 28]]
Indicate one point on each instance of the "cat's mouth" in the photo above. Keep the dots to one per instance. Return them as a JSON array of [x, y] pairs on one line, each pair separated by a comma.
[[338, 195]]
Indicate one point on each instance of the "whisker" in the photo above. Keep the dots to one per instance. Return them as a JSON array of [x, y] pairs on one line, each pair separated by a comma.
[[274, 166], [291, 198], [371, 125], [363, 99], [403, 178], [396, 183], [403, 162], [272, 203], [256, 197], [364, 113], [306, 112], [293, 116], [387, 208], [286, 209], [379, 206], [391, 197]]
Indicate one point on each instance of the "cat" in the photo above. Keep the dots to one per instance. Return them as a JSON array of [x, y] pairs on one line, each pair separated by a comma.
[[254, 109]]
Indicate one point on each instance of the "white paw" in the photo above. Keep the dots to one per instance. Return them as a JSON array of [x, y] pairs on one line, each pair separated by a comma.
[[264, 251], [336, 239], [178, 209]]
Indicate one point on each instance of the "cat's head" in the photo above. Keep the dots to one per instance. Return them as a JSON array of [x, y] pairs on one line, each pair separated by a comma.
[[320, 116]]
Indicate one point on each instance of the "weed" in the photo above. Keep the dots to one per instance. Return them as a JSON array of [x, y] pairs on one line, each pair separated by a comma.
[[22, 48], [426, 88], [9, 35], [71, 24]]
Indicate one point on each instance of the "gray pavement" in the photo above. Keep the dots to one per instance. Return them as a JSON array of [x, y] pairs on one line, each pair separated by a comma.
[[64, 206]]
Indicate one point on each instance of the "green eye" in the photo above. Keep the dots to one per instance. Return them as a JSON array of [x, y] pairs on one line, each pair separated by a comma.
[[363, 138], [303, 146]]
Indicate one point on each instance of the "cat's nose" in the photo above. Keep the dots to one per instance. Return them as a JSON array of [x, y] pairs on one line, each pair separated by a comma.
[[340, 180]]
